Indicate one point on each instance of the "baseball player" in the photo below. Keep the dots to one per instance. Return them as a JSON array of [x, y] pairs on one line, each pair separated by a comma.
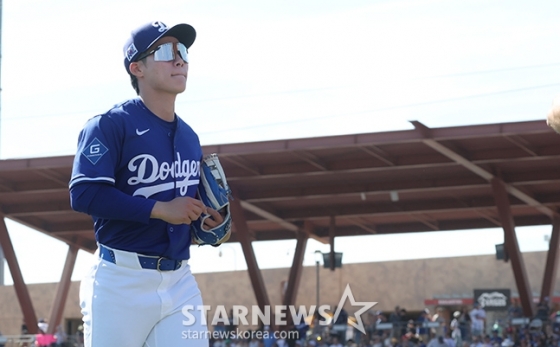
[[136, 172]]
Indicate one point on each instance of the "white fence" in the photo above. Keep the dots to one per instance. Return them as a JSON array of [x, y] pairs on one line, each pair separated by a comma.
[[28, 341], [17, 340]]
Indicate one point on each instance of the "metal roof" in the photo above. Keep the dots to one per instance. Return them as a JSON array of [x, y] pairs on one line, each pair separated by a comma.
[[361, 184]]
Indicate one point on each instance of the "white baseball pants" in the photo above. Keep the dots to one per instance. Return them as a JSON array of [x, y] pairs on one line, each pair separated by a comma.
[[124, 305]]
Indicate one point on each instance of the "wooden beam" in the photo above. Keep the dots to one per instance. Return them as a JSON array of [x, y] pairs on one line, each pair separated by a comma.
[[422, 218], [273, 218], [332, 234], [296, 270], [549, 278], [311, 159], [378, 154], [19, 285], [360, 222], [57, 308], [54, 176], [488, 217], [267, 215], [242, 163], [512, 247], [33, 208], [244, 238], [489, 176], [522, 143]]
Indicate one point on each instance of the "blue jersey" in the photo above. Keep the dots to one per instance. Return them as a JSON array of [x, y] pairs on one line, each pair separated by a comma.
[[142, 156]]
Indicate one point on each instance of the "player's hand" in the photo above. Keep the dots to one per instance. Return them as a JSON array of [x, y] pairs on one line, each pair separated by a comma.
[[215, 218], [181, 210], [553, 116]]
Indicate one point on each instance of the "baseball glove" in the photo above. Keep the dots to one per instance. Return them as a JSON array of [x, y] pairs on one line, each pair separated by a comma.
[[214, 192]]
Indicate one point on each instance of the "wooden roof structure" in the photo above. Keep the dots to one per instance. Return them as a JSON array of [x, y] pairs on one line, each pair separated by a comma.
[[391, 182], [423, 179]]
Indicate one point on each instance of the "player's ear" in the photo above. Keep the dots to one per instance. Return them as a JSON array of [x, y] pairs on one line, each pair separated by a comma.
[[137, 68]]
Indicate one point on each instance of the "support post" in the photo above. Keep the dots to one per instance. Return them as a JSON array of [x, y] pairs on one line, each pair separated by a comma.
[[332, 232], [512, 246], [549, 278], [62, 290], [242, 233], [296, 269], [19, 285]]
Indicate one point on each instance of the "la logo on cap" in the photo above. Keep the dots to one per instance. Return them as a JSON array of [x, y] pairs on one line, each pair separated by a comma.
[[162, 27]]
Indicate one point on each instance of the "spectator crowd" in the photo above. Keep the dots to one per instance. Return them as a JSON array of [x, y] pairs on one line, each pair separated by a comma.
[[464, 327]]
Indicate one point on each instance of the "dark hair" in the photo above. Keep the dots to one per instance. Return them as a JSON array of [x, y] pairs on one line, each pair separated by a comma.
[[134, 79], [134, 83]]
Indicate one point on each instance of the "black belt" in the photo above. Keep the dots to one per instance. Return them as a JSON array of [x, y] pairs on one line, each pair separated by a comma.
[[153, 263]]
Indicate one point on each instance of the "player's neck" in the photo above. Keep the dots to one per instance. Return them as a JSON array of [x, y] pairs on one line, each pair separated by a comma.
[[162, 105]]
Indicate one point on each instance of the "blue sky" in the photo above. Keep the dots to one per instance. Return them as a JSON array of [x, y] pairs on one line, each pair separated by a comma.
[[276, 69]]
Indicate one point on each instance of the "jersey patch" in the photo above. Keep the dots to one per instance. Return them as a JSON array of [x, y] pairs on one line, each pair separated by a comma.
[[94, 151]]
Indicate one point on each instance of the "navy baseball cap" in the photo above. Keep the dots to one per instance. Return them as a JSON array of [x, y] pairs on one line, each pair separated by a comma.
[[142, 38]]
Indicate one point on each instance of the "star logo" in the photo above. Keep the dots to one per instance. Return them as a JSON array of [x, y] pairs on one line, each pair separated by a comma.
[[366, 305]]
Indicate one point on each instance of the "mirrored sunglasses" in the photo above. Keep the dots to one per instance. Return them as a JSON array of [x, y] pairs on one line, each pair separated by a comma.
[[166, 52]]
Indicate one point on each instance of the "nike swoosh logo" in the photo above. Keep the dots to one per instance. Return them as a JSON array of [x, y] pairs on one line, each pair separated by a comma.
[[140, 133]]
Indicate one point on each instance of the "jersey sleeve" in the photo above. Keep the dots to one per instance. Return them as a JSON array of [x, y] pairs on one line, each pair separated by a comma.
[[92, 185], [107, 202], [97, 155]]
